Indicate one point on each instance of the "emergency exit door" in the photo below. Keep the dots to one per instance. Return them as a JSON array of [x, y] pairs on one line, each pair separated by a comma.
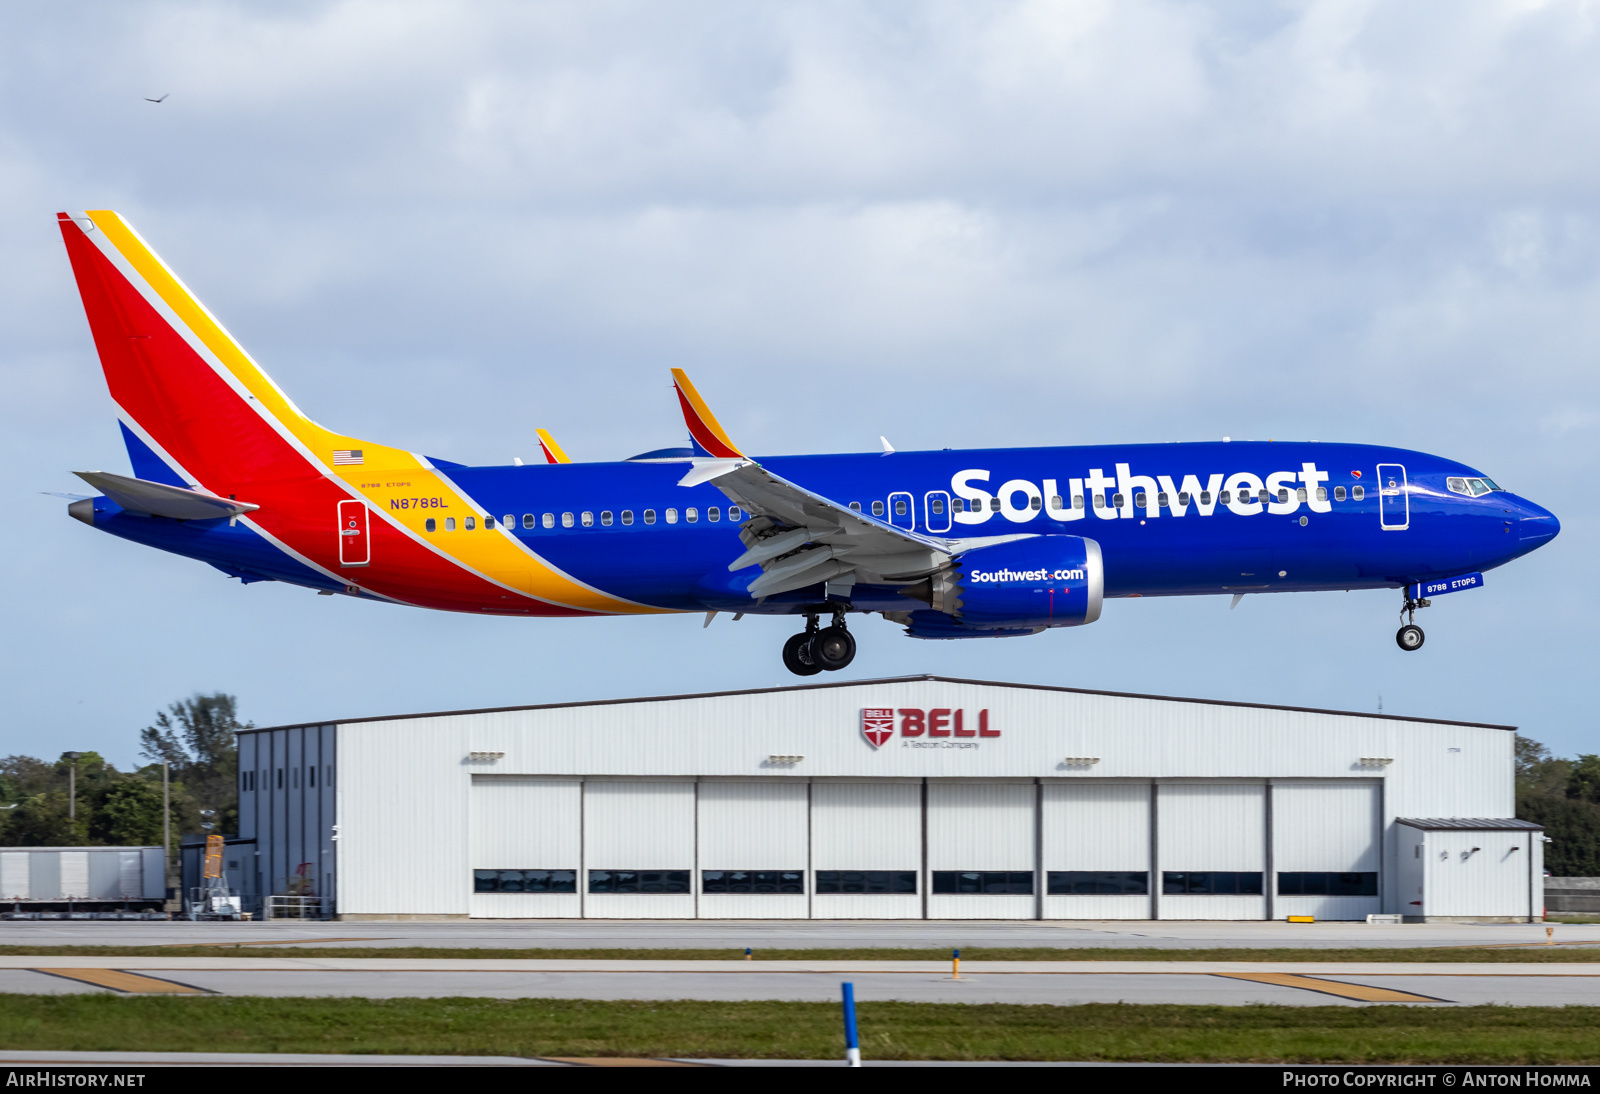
[[1394, 502], [355, 548]]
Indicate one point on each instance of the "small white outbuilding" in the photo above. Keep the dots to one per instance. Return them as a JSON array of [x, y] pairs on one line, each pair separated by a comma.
[[918, 797]]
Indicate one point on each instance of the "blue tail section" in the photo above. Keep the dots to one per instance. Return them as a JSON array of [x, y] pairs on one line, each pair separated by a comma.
[[146, 464]]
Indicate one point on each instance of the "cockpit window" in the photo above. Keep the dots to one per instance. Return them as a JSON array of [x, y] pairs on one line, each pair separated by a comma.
[[1472, 488]]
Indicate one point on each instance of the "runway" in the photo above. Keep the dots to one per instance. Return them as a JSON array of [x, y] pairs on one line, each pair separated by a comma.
[[787, 934], [1058, 983]]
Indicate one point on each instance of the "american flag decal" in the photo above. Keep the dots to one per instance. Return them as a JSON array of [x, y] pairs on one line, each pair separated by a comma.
[[877, 725], [346, 456]]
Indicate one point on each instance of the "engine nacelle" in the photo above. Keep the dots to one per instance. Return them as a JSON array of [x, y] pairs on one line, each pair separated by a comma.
[[1043, 581]]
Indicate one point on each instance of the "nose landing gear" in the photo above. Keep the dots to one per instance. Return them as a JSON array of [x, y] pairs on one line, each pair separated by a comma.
[[1410, 637], [814, 650]]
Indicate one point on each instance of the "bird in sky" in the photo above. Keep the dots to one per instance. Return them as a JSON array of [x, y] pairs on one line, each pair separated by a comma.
[[160, 100]]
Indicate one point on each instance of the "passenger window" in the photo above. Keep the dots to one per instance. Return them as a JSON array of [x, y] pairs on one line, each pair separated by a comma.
[[672, 516], [587, 520], [627, 516], [713, 514], [510, 520], [937, 505], [691, 515], [958, 505], [488, 523], [1162, 501], [1358, 492], [1117, 500], [1055, 502], [1205, 497], [1034, 503], [567, 521], [1322, 493], [1301, 494], [449, 524], [856, 505], [1183, 497], [1099, 501], [1283, 496], [649, 516], [1077, 501], [1139, 500], [1338, 493], [1225, 498], [605, 517], [994, 505], [548, 520], [472, 523], [877, 508], [429, 524], [735, 514], [899, 508]]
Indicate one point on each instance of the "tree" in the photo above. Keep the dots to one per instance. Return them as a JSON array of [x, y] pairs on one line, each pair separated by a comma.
[[196, 737], [129, 813], [1564, 796]]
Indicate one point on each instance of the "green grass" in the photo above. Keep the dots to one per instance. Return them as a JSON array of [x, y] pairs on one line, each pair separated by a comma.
[[1510, 955], [937, 1031]]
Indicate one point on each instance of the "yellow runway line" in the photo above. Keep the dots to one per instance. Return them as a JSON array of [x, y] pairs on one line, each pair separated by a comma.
[[129, 983], [1363, 992], [617, 1061]]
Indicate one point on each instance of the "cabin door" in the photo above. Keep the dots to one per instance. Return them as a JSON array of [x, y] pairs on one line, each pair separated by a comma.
[[355, 548], [1394, 501]]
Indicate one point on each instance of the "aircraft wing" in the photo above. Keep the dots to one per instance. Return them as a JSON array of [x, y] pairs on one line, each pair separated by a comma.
[[800, 537], [161, 500]]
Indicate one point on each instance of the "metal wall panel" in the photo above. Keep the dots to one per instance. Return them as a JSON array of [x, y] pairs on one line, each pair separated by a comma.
[[44, 874], [1210, 826], [866, 826], [981, 825], [639, 825], [1095, 825], [1329, 825], [523, 822], [754, 825], [1476, 874], [14, 875], [75, 874]]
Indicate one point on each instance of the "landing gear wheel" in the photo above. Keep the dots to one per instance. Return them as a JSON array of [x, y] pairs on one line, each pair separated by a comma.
[[1409, 637], [797, 655], [833, 648]]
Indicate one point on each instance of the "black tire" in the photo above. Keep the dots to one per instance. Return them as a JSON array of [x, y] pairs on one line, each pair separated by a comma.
[[1409, 637], [833, 648], [797, 656]]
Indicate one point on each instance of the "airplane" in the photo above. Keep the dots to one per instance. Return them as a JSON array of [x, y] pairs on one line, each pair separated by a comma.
[[949, 544]]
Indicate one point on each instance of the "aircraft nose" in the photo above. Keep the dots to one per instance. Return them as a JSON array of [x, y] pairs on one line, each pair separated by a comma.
[[1536, 526]]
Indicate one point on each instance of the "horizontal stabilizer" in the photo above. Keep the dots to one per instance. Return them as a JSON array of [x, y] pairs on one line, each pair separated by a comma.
[[160, 500]]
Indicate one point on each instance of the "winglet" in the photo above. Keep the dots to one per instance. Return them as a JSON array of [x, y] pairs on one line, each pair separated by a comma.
[[552, 451], [704, 429]]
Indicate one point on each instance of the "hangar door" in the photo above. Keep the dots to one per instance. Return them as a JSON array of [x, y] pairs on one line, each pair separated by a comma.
[[1096, 850], [1211, 850], [866, 849], [981, 849], [1325, 848], [525, 852], [754, 849], [639, 848]]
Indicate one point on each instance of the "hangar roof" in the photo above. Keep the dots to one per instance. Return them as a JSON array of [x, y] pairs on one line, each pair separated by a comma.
[[886, 680]]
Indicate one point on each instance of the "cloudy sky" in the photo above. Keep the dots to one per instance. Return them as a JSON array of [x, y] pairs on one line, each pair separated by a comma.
[[967, 224]]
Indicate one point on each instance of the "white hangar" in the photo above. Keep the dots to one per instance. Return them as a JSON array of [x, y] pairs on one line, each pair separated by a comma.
[[918, 797]]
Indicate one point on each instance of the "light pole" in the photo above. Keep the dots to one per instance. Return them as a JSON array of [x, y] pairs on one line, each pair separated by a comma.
[[72, 785], [166, 826]]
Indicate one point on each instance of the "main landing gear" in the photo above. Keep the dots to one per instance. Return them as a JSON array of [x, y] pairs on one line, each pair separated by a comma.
[[1410, 637], [814, 650]]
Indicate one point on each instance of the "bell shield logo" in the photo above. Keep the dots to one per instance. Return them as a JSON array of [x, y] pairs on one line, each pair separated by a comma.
[[877, 725]]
